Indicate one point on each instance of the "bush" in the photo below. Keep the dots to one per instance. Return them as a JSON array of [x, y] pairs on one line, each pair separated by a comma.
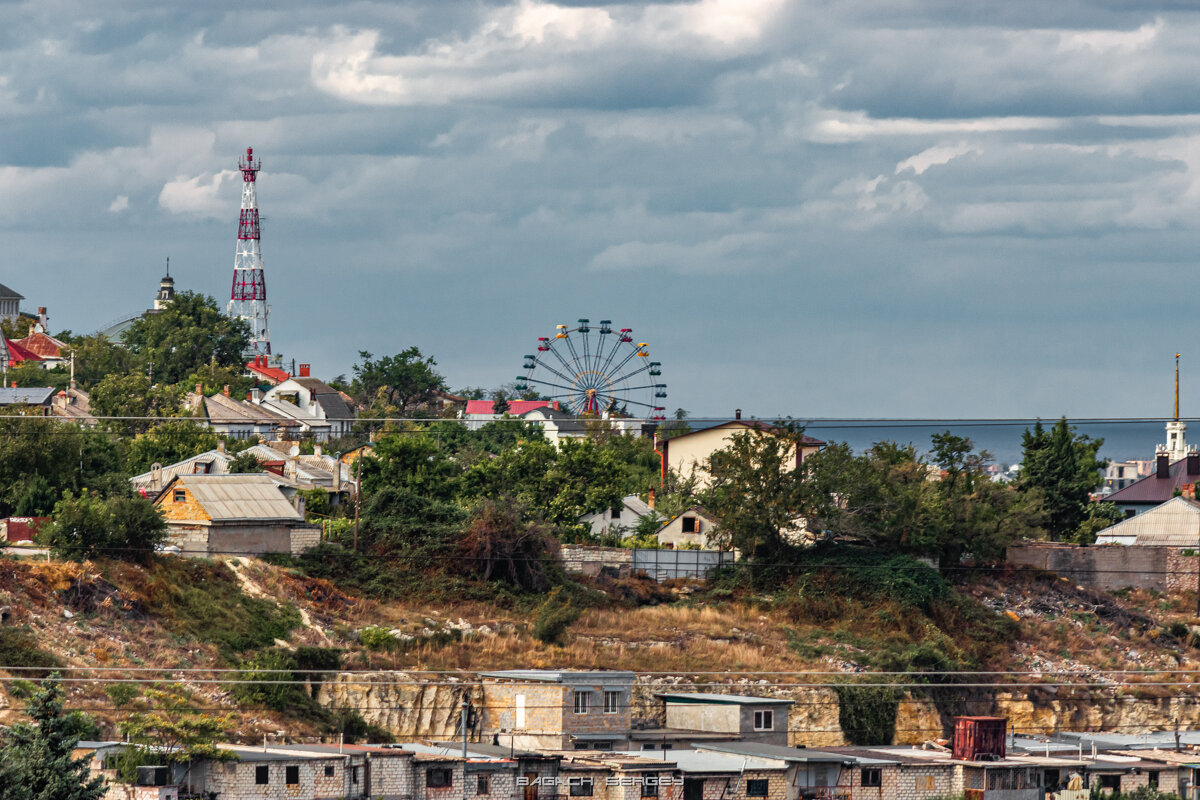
[[867, 714], [373, 637], [121, 694], [19, 648], [554, 617], [88, 526]]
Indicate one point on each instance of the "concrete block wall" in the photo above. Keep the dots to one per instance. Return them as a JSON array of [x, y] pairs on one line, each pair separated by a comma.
[[597, 720], [1109, 567], [502, 785], [391, 777], [543, 710], [421, 789]]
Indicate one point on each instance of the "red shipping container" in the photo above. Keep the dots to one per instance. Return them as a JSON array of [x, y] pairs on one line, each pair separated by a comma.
[[22, 529], [979, 736]]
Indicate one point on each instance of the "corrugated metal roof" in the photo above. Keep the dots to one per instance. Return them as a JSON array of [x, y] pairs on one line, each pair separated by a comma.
[[722, 699], [1175, 523], [227, 498], [562, 676]]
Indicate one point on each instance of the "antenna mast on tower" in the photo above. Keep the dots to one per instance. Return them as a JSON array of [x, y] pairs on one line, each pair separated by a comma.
[[248, 300]]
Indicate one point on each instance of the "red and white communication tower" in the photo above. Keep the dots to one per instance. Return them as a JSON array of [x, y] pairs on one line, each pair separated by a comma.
[[248, 300]]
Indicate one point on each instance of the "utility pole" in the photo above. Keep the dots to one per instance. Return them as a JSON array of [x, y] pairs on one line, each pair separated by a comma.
[[357, 495]]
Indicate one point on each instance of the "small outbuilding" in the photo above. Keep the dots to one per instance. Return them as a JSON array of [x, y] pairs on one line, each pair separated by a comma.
[[234, 515]]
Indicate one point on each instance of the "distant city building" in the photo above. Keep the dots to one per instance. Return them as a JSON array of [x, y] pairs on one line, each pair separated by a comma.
[[10, 303]]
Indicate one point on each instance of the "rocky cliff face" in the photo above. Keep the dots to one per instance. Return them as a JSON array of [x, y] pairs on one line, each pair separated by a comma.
[[396, 702], [432, 711]]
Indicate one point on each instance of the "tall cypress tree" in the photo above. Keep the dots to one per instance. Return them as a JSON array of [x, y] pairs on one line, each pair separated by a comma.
[[1062, 467], [38, 755]]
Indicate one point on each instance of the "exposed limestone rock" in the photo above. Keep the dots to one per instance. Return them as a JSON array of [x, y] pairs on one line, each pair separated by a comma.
[[407, 711]]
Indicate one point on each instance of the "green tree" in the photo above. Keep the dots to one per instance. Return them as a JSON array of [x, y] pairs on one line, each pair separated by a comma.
[[406, 382], [245, 462], [36, 452], [167, 443], [213, 379], [131, 399], [97, 357], [1062, 469], [35, 759], [555, 485], [755, 492], [188, 335], [1099, 516], [175, 730], [88, 526]]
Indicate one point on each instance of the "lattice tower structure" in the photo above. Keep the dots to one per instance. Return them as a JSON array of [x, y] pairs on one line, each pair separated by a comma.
[[248, 299]]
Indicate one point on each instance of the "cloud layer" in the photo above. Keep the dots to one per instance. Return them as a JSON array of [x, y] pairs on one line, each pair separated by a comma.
[[904, 208]]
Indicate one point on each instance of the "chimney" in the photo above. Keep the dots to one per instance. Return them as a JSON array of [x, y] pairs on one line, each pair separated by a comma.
[[299, 502], [227, 390], [737, 413], [43, 320], [650, 498], [156, 476], [1162, 465], [305, 370], [220, 445], [1193, 462], [200, 388], [317, 450], [249, 397]]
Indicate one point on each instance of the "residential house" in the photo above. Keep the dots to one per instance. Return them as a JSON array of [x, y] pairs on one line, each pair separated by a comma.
[[34, 400], [477, 413], [688, 453], [289, 469], [617, 776], [691, 528], [233, 514], [1119, 474], [263, 372], [741, 717], [10, 303], [232, 418], [1169, 477], [13, 353], [51, 352], [1174, 523], [73, 405], [620, 520], [322, 411], [557, 710], [806, 774]]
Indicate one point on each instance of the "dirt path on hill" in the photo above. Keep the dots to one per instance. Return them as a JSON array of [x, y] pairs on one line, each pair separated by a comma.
[[238, 565]]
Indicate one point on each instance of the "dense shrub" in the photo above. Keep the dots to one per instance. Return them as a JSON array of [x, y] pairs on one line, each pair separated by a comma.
[[867, 714], [19, 648]]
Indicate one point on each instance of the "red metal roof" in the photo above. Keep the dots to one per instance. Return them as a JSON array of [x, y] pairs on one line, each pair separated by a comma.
[[17, 353], [515, 407], [260, 366], [42, 345]]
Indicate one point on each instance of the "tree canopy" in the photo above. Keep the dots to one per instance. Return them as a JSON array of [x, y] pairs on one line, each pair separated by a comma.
[[36, 757], [190, 333], [1062, 469]]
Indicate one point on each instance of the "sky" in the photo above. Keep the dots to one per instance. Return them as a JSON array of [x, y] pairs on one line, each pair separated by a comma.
[[897, 208]]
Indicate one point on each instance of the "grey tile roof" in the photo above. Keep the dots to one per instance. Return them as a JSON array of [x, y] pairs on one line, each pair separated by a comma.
[[229, 498], [34, 395]]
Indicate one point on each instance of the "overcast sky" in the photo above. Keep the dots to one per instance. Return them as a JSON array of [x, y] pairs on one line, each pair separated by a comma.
[[852, 208]]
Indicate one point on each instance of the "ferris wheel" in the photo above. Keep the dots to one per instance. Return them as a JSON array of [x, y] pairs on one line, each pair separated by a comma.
[[596, 370]]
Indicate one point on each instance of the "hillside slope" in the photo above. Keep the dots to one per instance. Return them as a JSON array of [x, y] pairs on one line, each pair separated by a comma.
[[177, 615]]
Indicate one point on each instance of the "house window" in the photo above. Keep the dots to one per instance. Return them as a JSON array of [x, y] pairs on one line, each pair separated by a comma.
[[581, 702], [648, 747], [581, 787], [329, 771], [1110, 783], [756, 787], [354, 774], [689, 525], [291, 775], [650, 786], [1152, 779], [612, 701], [438, 778], [872, 777], [262, 775], [764, 720], [616, 513], [180, 496], [481, 784]]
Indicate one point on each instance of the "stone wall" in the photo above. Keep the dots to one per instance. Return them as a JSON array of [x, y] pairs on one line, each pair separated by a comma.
[[1110, 567], [588, 560]]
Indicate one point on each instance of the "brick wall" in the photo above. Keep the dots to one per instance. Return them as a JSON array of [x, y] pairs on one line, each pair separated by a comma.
[[187, 509], [391, 776], [421, 789]]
